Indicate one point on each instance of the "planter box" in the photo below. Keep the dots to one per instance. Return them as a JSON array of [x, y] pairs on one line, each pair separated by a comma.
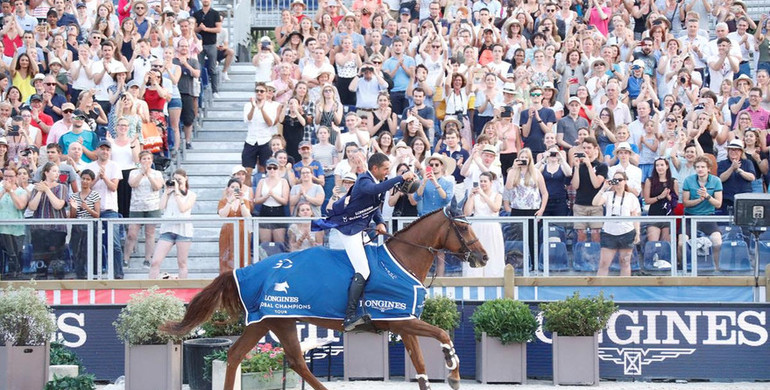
[[576, 360], [263, 381], [63, 370], [24, 367], [154, 367], [218, 370], [498, 363], [365, 356], [435, 366]]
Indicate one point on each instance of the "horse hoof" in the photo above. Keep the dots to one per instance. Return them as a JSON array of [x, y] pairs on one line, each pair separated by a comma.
[[453, 383], [422, 381]]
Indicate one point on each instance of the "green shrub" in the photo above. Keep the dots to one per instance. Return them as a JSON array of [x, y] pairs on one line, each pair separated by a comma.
[[62, 356], [505, 319], [577, 316], [80, 382], [25, 318], [221, 324], [145, 312], [441, 312]]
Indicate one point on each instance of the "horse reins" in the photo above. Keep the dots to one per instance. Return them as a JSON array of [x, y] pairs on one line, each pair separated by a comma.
[[464, 254]]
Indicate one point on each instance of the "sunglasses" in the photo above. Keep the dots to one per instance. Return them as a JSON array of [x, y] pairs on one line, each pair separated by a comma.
[[50, 84], [437, 165], [535, 94], [260, 91], [272, 168], [67, 111], [670, 120]]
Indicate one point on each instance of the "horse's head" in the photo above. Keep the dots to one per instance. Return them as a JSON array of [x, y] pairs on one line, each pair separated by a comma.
[[461, 239]]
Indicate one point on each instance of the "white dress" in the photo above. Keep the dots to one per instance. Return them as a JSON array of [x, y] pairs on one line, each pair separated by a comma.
[[490, 235]]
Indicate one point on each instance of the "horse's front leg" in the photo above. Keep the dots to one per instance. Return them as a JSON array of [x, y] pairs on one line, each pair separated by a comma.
[[238, 351], [412, 346], [421, 328]]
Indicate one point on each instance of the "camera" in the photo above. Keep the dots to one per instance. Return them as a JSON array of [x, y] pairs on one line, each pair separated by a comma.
[[580, 155], [14, 131], [613, 181], [170, 182], [553, 154], [521, 162], [265, 45], [698, 107], [683, 79]]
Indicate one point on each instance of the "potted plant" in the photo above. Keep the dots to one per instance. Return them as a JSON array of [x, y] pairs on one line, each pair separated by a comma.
[[153, 358], [63, 362], [502, 328], [443, 313], [262, 369], [79, 382], [221, 325], [216, 369], [26, 325], [575, 323]]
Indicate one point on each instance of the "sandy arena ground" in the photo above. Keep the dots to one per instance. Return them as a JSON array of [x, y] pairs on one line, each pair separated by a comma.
[[543, 385]]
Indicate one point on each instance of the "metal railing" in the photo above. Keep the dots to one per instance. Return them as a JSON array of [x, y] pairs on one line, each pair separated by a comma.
[[534, 262]]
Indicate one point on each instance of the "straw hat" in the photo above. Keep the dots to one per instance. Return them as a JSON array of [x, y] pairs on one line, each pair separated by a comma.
[[449, 163]]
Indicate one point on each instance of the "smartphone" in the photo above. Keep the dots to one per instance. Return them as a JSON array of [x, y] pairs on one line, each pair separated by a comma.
[[475, 184], [429, 169], [580, 155], [521, 162], [237, 190]]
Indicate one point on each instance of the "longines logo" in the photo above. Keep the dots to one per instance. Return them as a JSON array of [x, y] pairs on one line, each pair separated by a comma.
[[633, 359]]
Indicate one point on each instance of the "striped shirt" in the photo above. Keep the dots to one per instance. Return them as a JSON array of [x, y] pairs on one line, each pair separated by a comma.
[[91, 200]]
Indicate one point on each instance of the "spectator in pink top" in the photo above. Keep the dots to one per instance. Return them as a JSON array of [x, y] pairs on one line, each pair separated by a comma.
[[599, 16]]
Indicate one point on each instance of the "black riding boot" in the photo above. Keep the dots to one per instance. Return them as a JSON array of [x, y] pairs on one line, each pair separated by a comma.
[[352, 319]]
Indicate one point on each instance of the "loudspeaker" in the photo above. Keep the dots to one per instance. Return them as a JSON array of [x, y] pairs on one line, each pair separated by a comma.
[[752, 209]]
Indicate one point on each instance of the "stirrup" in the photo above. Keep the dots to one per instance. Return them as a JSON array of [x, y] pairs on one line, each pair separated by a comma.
[[361, 324]]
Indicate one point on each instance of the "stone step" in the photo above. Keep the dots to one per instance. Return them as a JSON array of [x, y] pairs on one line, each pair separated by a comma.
[[221, 145], [209, 181], [242, 96], [199, 156], [208, 169], [220, 135], [238, 86], [235, 106], [230, 117], [240, 76]]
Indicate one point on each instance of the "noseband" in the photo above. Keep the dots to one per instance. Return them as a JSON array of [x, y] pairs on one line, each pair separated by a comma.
[[465, 250]]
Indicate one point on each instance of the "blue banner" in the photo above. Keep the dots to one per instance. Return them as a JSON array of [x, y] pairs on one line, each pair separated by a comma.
[[643, 341]]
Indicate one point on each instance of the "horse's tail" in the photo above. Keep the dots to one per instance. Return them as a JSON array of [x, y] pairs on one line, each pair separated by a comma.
[[221, 292]]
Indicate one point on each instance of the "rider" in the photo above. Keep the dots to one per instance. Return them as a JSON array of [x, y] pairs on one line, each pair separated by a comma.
[[351, 215]]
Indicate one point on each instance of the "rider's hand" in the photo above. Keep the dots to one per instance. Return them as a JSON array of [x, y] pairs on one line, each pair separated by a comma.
[[408, 175], [381, 229]]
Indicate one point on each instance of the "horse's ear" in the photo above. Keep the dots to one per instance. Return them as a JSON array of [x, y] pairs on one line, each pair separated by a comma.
[[454, 209]]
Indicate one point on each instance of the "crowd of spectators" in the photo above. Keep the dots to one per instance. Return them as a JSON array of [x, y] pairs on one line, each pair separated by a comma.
[[522, 108]]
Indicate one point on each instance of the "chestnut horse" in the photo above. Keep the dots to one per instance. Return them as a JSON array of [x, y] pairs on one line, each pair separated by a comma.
[[414, 247]]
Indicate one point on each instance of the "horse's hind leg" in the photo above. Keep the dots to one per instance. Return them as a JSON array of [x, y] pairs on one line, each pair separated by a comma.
[[412, 346], [421, 328], [238, 351], [286, 330]]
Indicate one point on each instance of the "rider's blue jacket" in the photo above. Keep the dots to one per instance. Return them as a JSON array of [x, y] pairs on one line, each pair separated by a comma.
[[365, 198]]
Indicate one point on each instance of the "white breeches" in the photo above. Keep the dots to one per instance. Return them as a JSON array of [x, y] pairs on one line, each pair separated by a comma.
[[354, 247]]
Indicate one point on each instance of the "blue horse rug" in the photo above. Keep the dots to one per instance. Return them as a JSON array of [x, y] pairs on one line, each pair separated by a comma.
[[314, 283]]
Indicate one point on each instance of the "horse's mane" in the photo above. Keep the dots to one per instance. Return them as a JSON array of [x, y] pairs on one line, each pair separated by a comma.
[[406, 229]]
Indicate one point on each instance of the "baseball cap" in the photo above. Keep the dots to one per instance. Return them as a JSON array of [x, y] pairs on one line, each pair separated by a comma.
[[405, 11], [305, 143], [67, 106], [271, 161], [35, 97], [104, 143], [238, 168], [573, 99], [78, 114], [637, 63], [624, 146]]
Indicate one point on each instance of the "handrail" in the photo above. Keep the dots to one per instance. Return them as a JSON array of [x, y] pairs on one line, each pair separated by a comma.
[[252, 225]]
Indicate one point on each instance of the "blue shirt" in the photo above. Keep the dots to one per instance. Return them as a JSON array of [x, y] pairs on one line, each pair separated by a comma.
[[609, 151], [735, 184], [90, 140], [713, 185], [536, 135], [352, 213], [431, 199], [401, 79], [460, 156], [318, 169]]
